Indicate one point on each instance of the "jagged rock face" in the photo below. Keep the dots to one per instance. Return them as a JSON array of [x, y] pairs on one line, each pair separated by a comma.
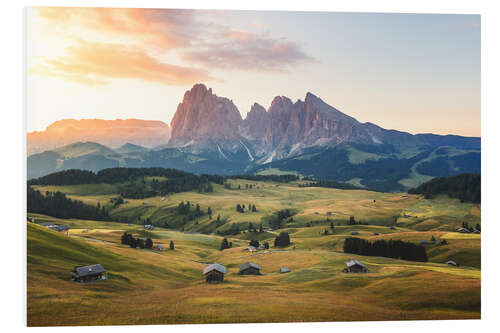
[[112, 133], [205, 122], [286, 128], [203, 119]]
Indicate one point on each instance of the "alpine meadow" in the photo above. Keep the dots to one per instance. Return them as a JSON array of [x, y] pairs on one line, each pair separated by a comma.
[[171, 182]]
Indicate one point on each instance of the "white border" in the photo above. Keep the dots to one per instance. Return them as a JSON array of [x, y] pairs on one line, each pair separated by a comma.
[[14, 152]]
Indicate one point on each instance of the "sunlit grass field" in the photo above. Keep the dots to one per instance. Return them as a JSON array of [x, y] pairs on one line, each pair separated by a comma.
[[151, 287], [163, 287]]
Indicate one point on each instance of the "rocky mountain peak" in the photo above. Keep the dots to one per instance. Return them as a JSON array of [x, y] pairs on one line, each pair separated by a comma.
[[203, 117]]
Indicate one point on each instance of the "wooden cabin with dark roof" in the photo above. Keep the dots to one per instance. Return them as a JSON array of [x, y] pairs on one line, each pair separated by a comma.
[[355, 266], [214, 273], [90, 273], [249, 268]]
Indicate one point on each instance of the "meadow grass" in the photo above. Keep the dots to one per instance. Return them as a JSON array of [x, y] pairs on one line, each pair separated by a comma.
[[167, 287]]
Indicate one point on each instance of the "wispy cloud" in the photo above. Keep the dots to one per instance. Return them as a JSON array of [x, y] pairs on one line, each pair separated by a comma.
[[248, 51], [127, 43], [94, 63]]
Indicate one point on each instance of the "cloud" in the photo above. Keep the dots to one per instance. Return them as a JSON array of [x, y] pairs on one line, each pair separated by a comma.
[[165, 29], [248, 51], [94, 63], [126, 43]]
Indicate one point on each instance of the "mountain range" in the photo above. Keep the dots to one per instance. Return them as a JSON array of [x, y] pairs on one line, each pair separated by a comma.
[[112, 133], [309, 137]]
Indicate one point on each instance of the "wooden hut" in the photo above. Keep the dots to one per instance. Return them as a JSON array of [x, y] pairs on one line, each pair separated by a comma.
[[214, 273], [89, 273], [355, 266], [249, 268]]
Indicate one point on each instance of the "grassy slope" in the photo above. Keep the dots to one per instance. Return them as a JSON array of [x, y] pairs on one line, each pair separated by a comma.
[[418, 219], [167, 287]]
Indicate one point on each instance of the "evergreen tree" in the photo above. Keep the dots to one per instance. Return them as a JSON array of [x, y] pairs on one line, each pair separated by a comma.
[[140, 243], [125, 239], [149, 243], [352, 221], [254, 209], [254, 243], [172, 246], [224, 244], [133, 242], [282, 240]]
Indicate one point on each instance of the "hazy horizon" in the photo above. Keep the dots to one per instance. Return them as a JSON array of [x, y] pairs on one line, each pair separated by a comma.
[[418, 73]]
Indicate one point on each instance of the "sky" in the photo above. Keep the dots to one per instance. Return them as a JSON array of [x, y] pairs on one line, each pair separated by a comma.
[[418, 73]]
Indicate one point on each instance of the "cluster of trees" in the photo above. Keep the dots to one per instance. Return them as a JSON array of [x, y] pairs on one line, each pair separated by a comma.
[[225, 244], [116, 201], [252, 228], [234, 229], [466, 225], [58, 205], [275, 219], [132, 180], [466, 187], [381, 248], [128, 239], [185, 209], [282, 240], [275, 178], [330, 184], [241, 208], [255, 243]]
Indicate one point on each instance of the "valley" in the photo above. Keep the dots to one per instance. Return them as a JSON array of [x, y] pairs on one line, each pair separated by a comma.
[[207, 134], [158, 287]]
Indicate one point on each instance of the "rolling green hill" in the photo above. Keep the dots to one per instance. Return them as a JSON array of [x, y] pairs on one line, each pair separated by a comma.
[[381, 167]]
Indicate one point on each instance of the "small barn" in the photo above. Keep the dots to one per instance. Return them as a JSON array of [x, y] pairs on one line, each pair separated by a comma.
[[214, 273], [158, 247], [89, 273], [249, 268], [451, 263], [284, 270], [252, 249], [355, 266], [55, 227]]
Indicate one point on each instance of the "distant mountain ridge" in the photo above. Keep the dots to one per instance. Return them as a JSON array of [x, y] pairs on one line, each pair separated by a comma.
[[206, 123], [310, 137], [112, 133]]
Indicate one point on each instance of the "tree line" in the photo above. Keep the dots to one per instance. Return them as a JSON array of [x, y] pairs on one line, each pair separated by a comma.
[[241, 208], [331, 184], [56, 204], [382, 248], [128, 239], [275, 178], [275, 219], [466, 187]]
